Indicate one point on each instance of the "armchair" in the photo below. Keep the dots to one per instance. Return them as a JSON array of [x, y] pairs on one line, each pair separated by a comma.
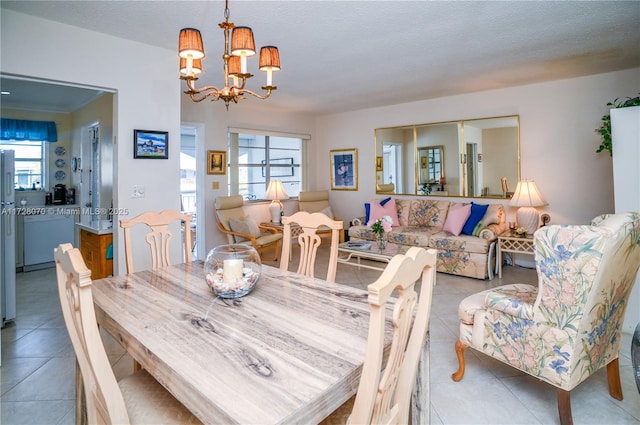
[[568, 327], [241, 229], [318, 201]]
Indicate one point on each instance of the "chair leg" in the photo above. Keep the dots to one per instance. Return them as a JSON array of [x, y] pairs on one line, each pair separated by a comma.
[[564, 407], [613, 377], [459, 374]]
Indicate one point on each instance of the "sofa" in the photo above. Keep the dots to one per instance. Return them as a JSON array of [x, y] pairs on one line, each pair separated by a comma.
[[431, 224]]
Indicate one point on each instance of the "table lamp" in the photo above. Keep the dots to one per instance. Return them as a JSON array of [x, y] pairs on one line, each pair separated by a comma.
[[275, 192], [527, 197]]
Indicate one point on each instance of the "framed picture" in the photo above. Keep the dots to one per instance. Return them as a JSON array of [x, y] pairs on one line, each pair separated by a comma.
[[150, 144], [216, 162], [379, 163], [344, 169], [423, 162]]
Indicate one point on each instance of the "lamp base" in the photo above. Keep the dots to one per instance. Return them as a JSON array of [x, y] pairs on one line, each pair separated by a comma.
[[275, 208], [528, 218]]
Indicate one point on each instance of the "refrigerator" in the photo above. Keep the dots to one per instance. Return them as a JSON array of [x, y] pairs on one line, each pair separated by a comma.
[[8, 237]]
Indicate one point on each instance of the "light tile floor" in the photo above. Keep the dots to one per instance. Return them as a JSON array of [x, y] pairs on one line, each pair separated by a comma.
[[38, 364]]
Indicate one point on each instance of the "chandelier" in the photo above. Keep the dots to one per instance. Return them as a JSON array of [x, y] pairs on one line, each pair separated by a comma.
[[191, 53]]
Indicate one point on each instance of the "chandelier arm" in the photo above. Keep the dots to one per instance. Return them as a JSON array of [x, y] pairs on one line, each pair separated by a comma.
[[212, 91], [269, 89]]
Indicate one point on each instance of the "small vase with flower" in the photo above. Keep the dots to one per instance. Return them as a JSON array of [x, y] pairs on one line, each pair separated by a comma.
[[381, 227]]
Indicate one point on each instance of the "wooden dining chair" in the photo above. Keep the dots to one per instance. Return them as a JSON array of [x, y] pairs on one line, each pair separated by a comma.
[[310, 241], [159, 238], [137, 398], [385, 389]]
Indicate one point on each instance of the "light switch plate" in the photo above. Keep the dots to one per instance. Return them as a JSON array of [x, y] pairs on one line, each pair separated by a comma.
[[215, 185], [137, 191]]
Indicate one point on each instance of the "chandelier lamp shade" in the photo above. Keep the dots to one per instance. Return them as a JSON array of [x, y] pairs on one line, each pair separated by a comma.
[[275, 192], [238, 46], [527, 197]]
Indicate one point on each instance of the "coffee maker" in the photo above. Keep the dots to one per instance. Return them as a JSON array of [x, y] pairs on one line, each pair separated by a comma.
[[59, 194]]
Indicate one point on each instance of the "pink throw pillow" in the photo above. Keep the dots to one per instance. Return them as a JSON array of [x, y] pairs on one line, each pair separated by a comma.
[[378, 211], [458, 215]]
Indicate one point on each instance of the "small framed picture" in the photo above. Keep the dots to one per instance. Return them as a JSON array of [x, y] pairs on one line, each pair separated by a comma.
[[150, 144], [423, 162], [379, 163], [344, 169], [216, 162]]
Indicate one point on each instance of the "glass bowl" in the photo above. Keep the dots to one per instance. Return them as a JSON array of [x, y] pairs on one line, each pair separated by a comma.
[[232, 271]]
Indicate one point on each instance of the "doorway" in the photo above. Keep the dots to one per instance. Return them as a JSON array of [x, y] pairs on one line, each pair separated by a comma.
[[191, 182]]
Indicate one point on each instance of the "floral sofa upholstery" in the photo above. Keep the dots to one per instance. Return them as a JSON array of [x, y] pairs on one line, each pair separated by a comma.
[[421, 223]]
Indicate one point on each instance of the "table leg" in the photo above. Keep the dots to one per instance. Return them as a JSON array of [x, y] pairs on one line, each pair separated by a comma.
[[499, 265], [420, 399]]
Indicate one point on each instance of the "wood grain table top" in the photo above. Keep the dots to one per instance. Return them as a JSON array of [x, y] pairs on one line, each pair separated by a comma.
[[289, 352]]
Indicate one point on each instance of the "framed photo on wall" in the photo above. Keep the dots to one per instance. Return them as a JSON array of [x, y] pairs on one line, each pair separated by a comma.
[[150, 144], [344, 169], [216, 162], [379, 163]]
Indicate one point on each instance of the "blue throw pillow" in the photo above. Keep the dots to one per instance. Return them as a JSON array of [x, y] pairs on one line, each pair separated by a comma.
[[367, 208], [477, 212]]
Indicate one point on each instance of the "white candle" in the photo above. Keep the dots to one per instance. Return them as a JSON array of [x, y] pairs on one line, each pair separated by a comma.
[[232, 270]]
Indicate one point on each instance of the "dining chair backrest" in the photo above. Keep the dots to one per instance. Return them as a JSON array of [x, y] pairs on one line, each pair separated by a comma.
[[104, 400], [384, 393], [159, 238], [310, 241]]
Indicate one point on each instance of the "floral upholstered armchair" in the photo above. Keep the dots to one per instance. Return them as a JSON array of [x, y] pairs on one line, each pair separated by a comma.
[[568, 327]]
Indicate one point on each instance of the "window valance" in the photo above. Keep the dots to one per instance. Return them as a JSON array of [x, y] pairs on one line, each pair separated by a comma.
[[28, 130]]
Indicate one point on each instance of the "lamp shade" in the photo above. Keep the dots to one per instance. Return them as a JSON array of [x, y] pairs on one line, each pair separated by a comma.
[[527, 195], [276, 191], [269, 58], [234, 66], [196, 67], [242, 42], [190, 44]]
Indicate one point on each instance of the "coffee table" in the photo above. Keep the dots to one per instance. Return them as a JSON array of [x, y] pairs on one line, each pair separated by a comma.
[[351, 254]]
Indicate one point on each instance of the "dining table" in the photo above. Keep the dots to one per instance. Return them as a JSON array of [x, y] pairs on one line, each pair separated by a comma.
[[289, 352]]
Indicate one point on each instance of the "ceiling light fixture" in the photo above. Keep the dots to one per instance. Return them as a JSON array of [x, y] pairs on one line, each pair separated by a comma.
[[191, 53]]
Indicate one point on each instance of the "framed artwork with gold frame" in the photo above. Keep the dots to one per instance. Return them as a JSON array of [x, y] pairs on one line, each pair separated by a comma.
[[216, 162], [379, 163], [344, 169]]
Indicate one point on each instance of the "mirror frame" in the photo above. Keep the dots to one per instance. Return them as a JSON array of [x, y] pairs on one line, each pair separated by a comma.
[[413, 153]]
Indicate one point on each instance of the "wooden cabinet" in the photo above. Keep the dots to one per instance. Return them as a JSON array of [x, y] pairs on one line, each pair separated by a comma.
[[94, 251]]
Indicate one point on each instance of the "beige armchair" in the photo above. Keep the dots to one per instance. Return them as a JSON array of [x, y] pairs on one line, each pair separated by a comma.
[[318, 201], [242, 229], [568, 326]]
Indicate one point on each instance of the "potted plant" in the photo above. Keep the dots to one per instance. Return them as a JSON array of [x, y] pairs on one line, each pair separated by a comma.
[[605, 129]]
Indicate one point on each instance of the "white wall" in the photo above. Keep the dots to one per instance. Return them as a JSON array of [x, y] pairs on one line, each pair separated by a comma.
[[557, 137], [147, 97]]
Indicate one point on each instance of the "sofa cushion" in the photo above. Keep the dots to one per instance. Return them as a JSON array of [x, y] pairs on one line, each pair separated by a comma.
[[446, 241], [493, 215], [403, 206], [477, 212], [367, 207], [456, 218], [428, 213], [378, 211]]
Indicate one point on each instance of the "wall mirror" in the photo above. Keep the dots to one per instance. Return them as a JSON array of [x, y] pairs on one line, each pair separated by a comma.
[[468, 158]]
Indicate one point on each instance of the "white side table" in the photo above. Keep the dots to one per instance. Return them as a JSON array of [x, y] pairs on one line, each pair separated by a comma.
[[507, 242]]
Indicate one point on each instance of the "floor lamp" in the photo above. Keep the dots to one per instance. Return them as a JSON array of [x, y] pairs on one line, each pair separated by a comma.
[[527, 197], [276, 192]]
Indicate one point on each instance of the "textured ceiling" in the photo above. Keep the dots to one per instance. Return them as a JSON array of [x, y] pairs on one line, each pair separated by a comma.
[[346, 55]]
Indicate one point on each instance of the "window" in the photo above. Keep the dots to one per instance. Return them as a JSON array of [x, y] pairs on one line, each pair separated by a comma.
[[29, 162], [256, 159]]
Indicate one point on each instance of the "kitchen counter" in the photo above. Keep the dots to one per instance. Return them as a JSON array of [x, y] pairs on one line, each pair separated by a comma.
[[97, 227]]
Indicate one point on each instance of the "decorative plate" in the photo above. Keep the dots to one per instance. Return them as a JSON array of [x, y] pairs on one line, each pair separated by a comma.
[[60, 175], [60, 163], [60, 151]]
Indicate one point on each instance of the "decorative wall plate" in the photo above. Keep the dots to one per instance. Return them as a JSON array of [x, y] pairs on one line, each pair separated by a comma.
[[60, 175], [60, 163], [60, 150]]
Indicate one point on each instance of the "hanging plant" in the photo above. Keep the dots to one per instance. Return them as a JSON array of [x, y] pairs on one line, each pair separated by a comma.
[[605, 128]]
